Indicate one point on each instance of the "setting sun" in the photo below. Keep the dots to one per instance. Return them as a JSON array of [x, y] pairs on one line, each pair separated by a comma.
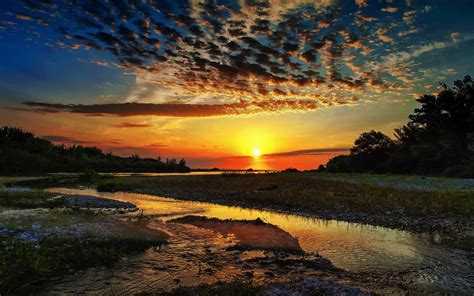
[[256, 152]]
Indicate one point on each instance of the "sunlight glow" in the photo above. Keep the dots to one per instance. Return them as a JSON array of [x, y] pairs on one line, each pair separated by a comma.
[[256, 152]]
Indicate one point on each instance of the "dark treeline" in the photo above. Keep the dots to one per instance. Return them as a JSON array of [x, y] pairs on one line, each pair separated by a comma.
[[21, 152], [438, 139]]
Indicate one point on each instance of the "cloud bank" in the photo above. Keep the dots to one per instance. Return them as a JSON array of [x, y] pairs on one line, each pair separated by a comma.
[[231, 57]]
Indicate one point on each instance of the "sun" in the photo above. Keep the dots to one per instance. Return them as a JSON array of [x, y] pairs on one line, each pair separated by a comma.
[[256, 152]]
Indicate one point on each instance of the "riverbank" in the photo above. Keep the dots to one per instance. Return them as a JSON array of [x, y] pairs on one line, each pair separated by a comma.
[[199, 256], [44, 236], [434, 211], [61, 235]]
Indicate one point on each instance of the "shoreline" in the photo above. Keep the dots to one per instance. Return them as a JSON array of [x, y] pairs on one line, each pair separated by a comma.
[[182, 188], [453, 229], [446, 213]]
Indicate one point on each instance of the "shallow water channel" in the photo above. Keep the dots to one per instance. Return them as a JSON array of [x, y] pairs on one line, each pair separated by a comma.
[[424, 261]]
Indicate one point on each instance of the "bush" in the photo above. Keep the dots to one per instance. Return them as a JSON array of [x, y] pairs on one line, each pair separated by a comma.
[[89, 176]]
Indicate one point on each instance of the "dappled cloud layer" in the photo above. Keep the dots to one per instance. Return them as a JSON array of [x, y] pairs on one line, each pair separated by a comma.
[[195, 58]]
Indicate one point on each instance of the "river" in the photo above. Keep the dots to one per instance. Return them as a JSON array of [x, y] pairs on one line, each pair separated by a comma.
[[425, 260]]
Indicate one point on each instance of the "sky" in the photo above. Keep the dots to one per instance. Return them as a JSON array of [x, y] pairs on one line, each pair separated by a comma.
[[266, 84]]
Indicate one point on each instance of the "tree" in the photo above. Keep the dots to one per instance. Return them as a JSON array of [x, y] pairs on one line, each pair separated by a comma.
[[372, 142], [439, 138], [442, 129], [22, 152]]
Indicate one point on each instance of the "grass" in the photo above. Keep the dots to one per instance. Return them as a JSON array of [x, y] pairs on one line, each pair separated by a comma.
[[27, 199], [404, 202], [307, 191], [25, 264], [407, 182], [39, 239], [4, 180], [236, 288], [68, 180], [40, 244]]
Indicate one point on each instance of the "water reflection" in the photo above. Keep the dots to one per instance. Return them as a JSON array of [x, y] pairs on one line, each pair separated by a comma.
[[350, 246], [354, 247], [198, 173]]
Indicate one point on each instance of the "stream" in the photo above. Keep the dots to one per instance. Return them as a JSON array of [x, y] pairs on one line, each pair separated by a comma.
[[196, 255]]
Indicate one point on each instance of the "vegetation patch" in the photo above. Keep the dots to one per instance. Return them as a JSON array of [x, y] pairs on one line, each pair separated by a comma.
[[39, 244], [305, 190], [314, 193], [60, 180], [404, 182], [27, 199]]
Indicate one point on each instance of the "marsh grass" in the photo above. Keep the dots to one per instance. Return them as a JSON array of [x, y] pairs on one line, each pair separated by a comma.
[[40, 239], [305, 191], [4, 180], [403, 182], [25, 264], [28, 199], [40, 244], [86, 179]]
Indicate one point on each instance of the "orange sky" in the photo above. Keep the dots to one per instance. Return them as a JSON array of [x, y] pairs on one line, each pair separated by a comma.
[[224, 141]]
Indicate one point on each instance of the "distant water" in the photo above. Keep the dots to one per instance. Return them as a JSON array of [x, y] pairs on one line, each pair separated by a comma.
[[197, 173]]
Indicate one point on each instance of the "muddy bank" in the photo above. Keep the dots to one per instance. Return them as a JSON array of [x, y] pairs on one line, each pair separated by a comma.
[[254, 234]]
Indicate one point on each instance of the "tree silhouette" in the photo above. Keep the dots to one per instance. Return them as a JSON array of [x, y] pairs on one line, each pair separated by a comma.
[[22, 152], [438, 139], [372, 142]]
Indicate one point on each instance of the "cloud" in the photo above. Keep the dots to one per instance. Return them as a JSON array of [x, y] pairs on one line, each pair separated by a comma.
[[405, 56], [308, 152], [244, 51], [173, 110], [390, 9], [361, 3], [225, 57], [132, 124]]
